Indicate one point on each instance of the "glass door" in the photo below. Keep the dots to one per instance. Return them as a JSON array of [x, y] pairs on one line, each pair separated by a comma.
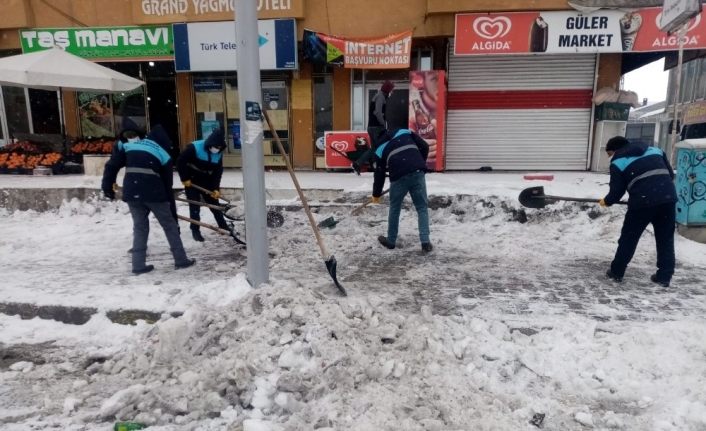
[[397, 104]]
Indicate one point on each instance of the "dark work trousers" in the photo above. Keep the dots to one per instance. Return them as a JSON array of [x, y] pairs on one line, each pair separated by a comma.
[[140, 212], [662, 218], [414, 184], [195, 210], [367, 156]]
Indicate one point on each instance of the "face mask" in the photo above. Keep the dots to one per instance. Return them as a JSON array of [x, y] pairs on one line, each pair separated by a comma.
[[133, 139], [214, 150]]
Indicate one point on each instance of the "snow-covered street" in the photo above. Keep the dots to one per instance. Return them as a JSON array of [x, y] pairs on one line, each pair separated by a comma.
[[509, 320]]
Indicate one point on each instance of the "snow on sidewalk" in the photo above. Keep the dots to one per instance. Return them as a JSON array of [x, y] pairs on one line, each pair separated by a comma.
[[502, 321]]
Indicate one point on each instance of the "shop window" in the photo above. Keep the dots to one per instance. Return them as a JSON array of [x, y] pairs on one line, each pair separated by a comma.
[[130, 109], [210, 106], [688, 77], [359, 109], [28, 111], [700, 90], [105, 114], [2, 122], [218, 105], [641, 132], [233, 114], [96, 114], [275, 99], [323, 105], [422, 59], [365, 88], [397, 108], [45, 111], [17, 115]]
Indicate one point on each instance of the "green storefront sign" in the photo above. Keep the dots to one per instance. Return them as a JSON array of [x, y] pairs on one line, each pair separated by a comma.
[[104, 42]]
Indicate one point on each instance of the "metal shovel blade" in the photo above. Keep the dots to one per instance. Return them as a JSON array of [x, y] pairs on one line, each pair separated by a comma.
[[533, 197], [331, 267], [328, 222]]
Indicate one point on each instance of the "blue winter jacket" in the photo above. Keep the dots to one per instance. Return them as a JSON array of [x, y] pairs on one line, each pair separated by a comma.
[[645, 173], [402, 152], [199, 165], [148, 168]]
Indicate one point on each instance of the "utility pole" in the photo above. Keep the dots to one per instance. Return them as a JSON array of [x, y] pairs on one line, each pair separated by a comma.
[[681, 34], [250, 95]]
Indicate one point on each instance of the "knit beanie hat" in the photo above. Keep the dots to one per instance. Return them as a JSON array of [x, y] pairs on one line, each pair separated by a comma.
[[216, 139], [387, 86], [615, 143]]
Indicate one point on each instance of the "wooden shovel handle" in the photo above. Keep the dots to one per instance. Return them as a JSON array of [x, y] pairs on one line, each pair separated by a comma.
[[207, 191], [206, 225], [305, 204], [203, 204], [357, 210]]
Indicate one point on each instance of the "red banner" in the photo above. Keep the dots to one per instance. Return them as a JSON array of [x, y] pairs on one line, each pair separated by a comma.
[[648, 37], [427, 110], [342, 148], [387, 52], [556, 32]]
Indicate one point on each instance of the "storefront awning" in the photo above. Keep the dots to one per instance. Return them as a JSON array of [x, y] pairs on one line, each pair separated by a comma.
[[635, 60]]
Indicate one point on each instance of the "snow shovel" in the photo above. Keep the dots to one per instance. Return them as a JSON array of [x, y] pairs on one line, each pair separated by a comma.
[[331, 222], [534, 197], [329, 260], [229, 232], [274, 218]]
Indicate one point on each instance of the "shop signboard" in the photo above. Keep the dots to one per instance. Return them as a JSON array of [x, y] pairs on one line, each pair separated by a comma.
[[555, 32], [427, 92], [386, 52], [648, 37], [340, 145], [132, 42], [163, 11], [695, 113], [677, 12], [210, 46]]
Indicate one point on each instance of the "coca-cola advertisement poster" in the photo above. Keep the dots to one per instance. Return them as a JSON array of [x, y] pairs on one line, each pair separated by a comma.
[[345, 146], [427, 112]]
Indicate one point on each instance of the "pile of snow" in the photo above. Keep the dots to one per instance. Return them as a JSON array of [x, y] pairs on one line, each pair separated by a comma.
[[286, 358]]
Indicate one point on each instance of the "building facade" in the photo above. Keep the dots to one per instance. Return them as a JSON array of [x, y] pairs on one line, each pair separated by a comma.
[[529, 107]]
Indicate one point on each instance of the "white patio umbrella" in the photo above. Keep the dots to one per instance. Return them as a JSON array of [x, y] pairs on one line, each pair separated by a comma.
[[56, 69]]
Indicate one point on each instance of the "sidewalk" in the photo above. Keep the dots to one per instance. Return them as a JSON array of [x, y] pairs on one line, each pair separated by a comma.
[[477, 183]]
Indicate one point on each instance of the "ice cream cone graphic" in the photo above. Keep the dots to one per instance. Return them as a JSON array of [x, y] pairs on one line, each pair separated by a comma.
[[539, 35], [629, 25]]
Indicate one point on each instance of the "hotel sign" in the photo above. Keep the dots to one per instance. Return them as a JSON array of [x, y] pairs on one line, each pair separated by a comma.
[[168, 11]]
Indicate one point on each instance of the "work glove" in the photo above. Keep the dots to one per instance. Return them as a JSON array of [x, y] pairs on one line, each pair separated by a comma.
[[375, 199], [186, 183], [602, 203], [216, 194]]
